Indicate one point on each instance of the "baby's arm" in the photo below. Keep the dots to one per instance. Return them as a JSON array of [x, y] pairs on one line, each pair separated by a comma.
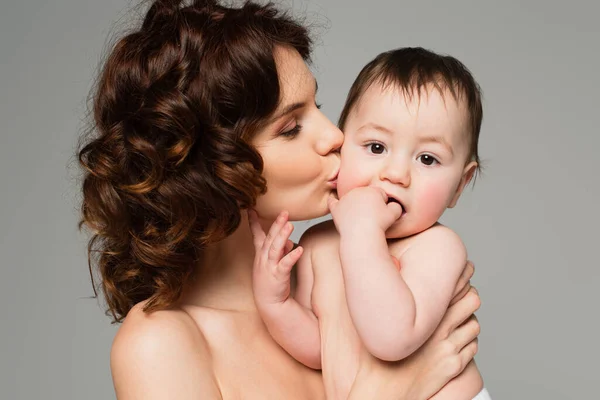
[[396, 311], [289, 319]]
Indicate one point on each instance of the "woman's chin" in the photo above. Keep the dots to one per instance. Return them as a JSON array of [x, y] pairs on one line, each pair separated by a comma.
[[304, 213]]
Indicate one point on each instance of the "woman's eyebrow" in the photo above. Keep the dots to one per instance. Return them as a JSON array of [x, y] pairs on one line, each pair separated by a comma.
[[289, 109], [293, 107]]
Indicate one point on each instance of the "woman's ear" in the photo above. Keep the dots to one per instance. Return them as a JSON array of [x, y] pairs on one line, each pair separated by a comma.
[[468, 173]]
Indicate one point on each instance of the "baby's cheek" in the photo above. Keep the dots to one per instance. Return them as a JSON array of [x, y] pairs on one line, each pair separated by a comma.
[[433, 201], [349, 178]]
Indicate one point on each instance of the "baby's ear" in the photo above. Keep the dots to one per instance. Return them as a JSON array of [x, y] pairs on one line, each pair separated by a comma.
[[467, 175]]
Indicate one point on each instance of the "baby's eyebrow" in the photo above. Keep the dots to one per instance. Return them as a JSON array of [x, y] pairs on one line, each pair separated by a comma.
[[437, 139], [377, 127]]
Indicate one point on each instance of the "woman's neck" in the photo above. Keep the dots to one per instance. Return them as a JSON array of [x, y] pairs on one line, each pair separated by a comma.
[[224, 277]]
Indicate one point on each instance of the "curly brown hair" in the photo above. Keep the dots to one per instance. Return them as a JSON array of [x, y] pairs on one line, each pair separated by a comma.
[[169, 165]]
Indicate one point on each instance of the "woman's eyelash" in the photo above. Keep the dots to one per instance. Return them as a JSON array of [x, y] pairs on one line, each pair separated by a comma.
[[292, 132]]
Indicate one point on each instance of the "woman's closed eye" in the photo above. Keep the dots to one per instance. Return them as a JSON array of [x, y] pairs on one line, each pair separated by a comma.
[[292, 132]]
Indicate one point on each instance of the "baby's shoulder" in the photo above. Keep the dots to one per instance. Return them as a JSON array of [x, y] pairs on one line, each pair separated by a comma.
[[320, 236], [439, 232], [439, 238], [443, 235]]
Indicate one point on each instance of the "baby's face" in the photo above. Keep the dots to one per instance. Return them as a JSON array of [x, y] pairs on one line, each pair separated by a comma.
[[416, 150]]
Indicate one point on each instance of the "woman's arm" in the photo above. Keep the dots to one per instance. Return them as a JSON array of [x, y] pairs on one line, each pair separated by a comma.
[[162, 356]]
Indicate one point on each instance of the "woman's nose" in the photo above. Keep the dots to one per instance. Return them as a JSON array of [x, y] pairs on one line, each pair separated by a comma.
[[330, 140]]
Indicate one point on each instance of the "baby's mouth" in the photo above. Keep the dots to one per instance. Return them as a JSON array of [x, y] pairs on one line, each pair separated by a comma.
[[395, 200]]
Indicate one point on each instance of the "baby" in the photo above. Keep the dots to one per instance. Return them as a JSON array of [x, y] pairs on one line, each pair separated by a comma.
[[411, 123]]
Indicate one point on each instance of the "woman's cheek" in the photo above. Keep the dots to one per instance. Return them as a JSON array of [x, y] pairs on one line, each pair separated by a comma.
[[293, 170]]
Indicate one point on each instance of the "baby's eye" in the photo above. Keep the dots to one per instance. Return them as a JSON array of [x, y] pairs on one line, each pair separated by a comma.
[[426, 159], [376, 148]]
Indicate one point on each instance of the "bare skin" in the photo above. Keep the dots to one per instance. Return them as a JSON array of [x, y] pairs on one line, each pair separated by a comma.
[[346, 363], [214, 345]]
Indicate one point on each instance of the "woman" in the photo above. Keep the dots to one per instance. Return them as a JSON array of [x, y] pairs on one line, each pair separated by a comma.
[[200, 114]]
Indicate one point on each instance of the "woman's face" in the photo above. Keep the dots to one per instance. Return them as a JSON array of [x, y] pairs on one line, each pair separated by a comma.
[[299, 147]]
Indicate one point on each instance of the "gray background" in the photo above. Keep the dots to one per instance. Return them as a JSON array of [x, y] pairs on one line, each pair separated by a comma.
[[529, 223]]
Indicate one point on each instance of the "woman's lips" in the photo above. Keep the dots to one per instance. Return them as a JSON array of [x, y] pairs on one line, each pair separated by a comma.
[[333, 180]]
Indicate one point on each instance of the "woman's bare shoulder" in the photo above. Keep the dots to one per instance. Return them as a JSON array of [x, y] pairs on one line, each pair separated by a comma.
[[152, 331], [161, 355]]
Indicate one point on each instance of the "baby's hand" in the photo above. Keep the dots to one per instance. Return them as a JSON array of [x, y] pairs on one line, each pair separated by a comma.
[[364, 208], [273, 261]]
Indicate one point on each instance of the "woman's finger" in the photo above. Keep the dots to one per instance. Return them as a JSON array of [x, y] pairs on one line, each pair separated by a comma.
[[465, 334], [465, 277], [463, 284], [468, 352], [457, 296], [458, 313]]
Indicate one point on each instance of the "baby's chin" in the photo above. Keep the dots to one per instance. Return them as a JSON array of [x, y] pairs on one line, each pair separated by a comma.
[[404, 228]]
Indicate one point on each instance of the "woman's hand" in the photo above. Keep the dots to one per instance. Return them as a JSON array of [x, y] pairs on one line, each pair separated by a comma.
[[443, 357], [463, 285]]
